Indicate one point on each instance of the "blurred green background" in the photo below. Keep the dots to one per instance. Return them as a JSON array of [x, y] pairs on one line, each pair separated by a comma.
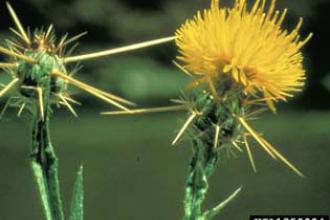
[[131, 171]]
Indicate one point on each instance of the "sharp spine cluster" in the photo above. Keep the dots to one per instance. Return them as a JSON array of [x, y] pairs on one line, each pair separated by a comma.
[[37, 62]]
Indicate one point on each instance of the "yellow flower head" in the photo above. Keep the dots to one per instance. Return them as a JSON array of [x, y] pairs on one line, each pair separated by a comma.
[[247, 44]]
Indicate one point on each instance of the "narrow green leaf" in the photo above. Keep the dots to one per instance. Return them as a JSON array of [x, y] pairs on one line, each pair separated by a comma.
[[42, 187], [77, 203], [216, 210]]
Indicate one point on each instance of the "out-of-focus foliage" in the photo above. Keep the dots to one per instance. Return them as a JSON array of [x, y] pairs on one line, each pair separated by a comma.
[[141, 78]]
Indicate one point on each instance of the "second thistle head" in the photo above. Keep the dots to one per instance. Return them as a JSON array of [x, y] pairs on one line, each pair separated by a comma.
[[37, 64], [36, 73]]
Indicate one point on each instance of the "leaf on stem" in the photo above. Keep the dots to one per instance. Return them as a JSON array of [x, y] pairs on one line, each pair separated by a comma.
[[77, 203], [42, 187], [216, 210]]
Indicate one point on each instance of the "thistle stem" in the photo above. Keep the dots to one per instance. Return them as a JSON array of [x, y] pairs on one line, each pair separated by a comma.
[[45, 166], [202, 166], [212, 129]]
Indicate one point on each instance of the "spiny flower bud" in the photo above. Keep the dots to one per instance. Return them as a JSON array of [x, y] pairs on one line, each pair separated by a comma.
[[38, 67]]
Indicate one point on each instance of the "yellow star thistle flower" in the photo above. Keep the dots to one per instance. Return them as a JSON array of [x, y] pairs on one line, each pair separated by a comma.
[[242, 59], [239, 55], [247, 44], [242, 54]]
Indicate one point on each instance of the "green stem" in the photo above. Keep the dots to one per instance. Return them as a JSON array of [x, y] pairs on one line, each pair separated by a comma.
[[202, 166], [214, 127], [45, 167]]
